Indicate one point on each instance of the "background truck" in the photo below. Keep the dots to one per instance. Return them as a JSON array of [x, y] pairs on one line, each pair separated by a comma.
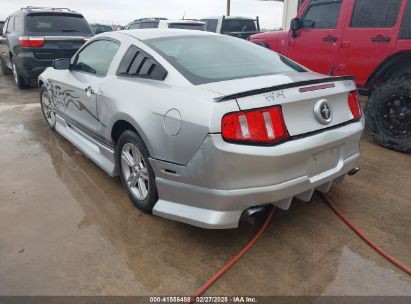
[[370, 39], [241, 27]]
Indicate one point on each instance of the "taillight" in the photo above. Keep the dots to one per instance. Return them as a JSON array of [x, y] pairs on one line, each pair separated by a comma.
[[29, 41], [262, 126], [355, 105]]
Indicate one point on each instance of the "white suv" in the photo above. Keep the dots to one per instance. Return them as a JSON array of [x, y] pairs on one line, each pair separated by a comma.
[[145, 23]]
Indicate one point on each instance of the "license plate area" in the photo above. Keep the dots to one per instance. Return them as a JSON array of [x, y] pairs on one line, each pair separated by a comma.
[[323, 161]]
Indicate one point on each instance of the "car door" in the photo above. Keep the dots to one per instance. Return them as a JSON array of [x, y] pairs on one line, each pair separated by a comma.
[[80, 86], [369, 36], [317, 41]]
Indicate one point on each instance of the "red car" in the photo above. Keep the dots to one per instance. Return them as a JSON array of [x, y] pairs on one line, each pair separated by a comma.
[[370, 39]]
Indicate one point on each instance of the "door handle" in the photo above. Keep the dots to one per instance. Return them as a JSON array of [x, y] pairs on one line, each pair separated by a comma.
[[329, 39], [89, 91], [381, 38]]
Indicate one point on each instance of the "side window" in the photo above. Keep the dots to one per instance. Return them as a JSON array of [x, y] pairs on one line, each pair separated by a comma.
[[211, 25], [137, 63], [322, 15], [150, 24], [405, 31], [5, 26], [96, 57], [375, 13], [134, 26], [18, 24], [10, 25]]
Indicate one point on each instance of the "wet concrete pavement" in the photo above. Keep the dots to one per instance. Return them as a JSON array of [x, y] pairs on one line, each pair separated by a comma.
[[66, 228]]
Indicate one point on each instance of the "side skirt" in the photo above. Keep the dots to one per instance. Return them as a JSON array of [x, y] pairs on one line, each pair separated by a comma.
[[102, 155]]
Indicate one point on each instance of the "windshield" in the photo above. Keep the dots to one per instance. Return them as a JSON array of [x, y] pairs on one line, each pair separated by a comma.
[[57, 23], [205, 59], [239, 25], [99, 28], [188, 26]]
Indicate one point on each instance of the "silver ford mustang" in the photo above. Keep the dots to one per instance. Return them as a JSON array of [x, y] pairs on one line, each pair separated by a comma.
[[203, 127]]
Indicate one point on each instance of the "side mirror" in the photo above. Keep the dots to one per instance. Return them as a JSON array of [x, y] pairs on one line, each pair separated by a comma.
[[295, 26], [61, 64]]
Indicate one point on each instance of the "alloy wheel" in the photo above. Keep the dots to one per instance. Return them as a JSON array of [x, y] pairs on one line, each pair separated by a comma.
[[48, 108], [135, 171]]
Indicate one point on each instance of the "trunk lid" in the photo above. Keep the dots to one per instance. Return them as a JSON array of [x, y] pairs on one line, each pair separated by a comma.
[[296, 93]]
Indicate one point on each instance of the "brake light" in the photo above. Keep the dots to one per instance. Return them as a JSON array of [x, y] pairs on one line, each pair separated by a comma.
[[264, 126], [29, 41], [355, 105]]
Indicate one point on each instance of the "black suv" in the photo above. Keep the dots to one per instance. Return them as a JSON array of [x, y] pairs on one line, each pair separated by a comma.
[[33, 36]]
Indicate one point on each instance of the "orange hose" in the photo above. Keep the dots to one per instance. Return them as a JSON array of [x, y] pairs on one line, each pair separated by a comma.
[[364, 237], [230, 263]]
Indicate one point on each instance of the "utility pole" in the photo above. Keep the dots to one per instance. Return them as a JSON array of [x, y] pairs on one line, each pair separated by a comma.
[[228, 7]]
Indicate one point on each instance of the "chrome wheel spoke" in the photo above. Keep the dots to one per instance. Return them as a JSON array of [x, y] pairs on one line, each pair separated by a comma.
[[127, 158], [142, 188], [132, 180]]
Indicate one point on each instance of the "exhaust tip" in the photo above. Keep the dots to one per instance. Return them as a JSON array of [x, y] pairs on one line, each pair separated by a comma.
[[353, 171]]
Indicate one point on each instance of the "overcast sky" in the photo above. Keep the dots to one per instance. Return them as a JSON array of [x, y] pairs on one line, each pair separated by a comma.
[[124, 11]]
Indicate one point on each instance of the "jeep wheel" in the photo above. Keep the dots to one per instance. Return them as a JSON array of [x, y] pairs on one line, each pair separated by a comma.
[[388, 114], [21, 83]]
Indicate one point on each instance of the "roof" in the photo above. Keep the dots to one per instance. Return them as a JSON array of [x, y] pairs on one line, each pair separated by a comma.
[[36, 9], [229, 17], [149, 19], [182, 21], [144, 34]]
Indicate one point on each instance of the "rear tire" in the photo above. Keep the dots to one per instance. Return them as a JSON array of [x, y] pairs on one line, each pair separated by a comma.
[[47, 107], [136, 172], [4, 69], [388, 114], [20, 81]]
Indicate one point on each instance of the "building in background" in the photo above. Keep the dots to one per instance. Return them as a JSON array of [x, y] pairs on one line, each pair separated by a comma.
[[289, 11]]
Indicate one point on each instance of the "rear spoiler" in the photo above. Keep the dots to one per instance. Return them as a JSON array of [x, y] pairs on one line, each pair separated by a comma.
[[283, 86]]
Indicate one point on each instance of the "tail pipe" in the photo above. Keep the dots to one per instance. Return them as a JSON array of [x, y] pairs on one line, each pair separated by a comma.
[[353, 171]]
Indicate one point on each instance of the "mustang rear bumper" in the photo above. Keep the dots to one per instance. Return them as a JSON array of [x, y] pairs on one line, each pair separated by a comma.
[[222, 179]]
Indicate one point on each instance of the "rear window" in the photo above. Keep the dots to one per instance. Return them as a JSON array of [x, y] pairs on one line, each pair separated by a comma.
[[188, 26], [205, 59], [238, 25], [57, 23]]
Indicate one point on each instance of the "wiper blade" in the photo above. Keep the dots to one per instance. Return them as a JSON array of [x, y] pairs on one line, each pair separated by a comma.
[[70, 31]]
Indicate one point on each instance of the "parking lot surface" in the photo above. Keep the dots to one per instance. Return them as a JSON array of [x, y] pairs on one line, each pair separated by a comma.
[[67, 228]]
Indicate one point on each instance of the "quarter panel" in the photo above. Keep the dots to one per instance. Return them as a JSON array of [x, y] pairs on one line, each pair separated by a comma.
[[144, 103]]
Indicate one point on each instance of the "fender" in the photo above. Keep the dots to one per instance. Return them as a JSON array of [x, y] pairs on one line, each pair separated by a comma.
[[400, 60]]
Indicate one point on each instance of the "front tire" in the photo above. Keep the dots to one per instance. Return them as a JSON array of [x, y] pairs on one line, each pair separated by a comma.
[[136, 172], [388, 114]]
